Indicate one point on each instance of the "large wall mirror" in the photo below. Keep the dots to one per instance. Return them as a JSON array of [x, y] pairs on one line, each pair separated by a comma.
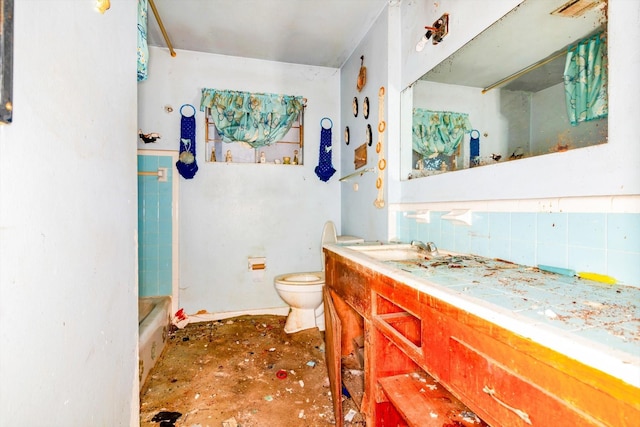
[[503, 97]]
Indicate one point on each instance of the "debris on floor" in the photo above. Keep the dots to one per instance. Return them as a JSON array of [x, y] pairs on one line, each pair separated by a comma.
[[244, 372], [166, 419]]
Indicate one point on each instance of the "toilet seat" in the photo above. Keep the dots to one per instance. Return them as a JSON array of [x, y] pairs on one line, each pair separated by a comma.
[[300, 282]]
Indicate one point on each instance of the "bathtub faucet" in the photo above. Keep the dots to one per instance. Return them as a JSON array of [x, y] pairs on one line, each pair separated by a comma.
[[430, 247]]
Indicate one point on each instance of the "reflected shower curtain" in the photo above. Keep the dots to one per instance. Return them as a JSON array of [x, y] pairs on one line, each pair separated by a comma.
[[585, 80], [143, 48]]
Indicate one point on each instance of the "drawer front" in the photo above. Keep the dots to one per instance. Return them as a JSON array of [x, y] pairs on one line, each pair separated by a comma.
[[502, 397]]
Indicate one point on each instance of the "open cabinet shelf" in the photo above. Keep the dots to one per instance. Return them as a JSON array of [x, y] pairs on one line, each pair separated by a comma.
[[423, 402]]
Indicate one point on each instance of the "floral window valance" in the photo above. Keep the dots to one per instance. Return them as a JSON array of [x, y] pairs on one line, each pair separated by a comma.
[[438, 132], [585, 80], [258, 119]]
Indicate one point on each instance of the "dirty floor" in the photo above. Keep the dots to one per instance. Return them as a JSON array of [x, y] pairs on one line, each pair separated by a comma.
[[245, 372]]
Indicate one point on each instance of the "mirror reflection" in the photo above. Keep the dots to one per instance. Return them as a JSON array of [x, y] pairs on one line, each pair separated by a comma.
[[531, 84]]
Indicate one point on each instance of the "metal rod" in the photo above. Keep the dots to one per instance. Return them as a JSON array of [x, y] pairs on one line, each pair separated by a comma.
[[157, 173], [524, 71], [164, 32]]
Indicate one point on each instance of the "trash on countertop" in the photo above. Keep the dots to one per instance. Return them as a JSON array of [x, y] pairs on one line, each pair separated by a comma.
[[557, 270], [597, 277]]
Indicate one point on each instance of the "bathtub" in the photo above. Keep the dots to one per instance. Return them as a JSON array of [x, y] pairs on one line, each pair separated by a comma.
[[154, 317]]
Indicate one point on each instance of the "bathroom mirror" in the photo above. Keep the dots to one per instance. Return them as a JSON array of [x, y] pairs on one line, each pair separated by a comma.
[[501, 97]]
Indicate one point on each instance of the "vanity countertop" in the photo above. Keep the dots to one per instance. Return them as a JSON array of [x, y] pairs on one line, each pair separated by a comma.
[[594, 323]]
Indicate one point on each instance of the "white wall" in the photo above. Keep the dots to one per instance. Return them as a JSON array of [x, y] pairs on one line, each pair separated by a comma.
[[550, 125], [608, 169], [68, 288], [359, 216], [230, 212]]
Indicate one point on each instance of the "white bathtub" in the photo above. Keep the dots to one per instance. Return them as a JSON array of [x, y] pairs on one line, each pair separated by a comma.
[[154, 318]]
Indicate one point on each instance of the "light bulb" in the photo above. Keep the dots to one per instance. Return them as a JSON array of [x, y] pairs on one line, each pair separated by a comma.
[[422, 43]]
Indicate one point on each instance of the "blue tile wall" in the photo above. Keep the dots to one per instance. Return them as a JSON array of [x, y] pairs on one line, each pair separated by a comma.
[[605, 243], [155, 227]]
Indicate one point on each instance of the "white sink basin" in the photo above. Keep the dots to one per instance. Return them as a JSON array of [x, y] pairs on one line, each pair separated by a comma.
[[391, 252]]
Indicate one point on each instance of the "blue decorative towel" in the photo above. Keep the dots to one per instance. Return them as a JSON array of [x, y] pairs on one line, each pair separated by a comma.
[[186, 164], [325, 169], [474, 147]]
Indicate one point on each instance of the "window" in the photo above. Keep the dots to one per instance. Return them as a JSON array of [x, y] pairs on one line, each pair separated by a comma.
[[245, 127], [287, 150]]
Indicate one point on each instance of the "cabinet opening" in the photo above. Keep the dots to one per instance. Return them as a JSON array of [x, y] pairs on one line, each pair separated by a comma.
[[416, 395], [402, 322]]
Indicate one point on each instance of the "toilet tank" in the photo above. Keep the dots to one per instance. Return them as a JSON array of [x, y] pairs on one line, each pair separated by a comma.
[[329, 235]]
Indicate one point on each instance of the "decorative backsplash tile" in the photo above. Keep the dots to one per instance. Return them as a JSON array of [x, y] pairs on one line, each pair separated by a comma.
[[600, 242]]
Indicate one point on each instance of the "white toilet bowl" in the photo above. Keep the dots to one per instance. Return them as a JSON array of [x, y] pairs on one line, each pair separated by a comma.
[[303, 291]]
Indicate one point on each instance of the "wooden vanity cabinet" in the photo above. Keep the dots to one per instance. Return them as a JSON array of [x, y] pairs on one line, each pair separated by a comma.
[[509, 380], [407, 351], [397, 390], [415, 342], [347, 308]]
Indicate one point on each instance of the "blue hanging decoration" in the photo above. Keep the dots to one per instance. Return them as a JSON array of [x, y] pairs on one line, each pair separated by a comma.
[[325, 169], [186, 164], [474, 148]]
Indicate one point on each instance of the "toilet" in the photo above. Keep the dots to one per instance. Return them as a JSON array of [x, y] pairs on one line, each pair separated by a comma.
[[303, 291]]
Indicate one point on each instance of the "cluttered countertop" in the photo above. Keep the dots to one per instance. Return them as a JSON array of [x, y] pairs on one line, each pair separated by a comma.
[[595, 323]]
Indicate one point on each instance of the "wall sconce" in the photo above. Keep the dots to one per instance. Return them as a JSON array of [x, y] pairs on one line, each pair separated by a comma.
[[438, 30], [103, 5]]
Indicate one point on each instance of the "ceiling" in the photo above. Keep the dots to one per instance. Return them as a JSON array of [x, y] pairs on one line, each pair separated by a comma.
[[526, 35], [310, 32]]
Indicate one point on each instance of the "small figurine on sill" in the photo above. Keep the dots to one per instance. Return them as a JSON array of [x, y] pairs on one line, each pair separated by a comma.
[[295, 157], [228, 157], [263, 157]]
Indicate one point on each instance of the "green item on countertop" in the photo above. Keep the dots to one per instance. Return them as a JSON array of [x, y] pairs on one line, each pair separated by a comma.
[[558, 270]]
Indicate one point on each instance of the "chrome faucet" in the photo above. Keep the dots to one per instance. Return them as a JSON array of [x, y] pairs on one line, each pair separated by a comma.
[[430, 247]]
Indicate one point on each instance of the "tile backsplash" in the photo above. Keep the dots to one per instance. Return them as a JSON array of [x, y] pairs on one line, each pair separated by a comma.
[[600, 242]]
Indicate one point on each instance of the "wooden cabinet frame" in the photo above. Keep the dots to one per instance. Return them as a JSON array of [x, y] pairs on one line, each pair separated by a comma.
[[504, 378]]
